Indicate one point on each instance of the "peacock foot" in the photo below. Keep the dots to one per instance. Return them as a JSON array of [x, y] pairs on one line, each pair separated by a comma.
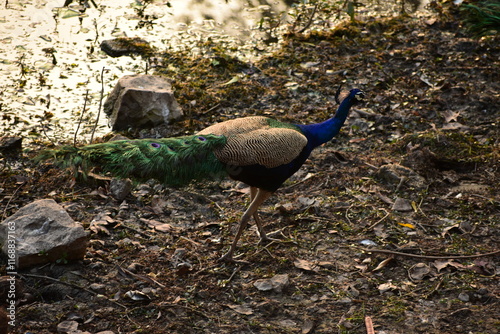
[[228, 258], [267, 238]]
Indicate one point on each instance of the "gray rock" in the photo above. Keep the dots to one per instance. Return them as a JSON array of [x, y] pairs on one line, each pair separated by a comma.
[[276, 283], [120, 188], [124, 46], [98, 287], [41, 232], [67, 326], [141, 101], [11, 145], [463, 297], [402, 205]]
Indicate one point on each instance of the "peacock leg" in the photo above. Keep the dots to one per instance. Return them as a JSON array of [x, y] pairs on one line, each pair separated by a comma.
[[260, 227], [257, 200]]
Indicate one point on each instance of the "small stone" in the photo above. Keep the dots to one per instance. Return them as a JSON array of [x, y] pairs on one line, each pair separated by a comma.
[[68, 326], [402, 205], [97, 287], [75, 317], [463, 297], [277, 283], [123, 46], [288, 323], [120, 188], [135, 267]]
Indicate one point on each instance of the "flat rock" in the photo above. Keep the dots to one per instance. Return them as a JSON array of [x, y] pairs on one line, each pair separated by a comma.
[[276, 283], [402, 205], [141, 101], [120, 188], [125, 46], [11, 145], [41, 232]]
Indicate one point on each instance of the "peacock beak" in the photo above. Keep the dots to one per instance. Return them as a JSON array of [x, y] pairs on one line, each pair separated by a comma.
[[360, 96]]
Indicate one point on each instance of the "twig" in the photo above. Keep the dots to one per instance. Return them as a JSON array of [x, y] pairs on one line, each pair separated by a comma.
[[369, 325], [55, 280], [205, 269], [10, 199], [146, 279], [136, 231], [81, 116], [308, 24], [211, 109], [163, 304], [428, 257], [197, 244], [100, 106], [403, 179], [235, 271], [45, 133], [483, 197], [378, 221]]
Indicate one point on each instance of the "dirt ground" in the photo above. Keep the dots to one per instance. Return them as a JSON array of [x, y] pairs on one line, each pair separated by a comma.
[[361, 236]]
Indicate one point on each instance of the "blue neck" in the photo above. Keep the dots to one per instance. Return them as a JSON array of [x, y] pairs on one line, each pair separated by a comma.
[[320, 133]]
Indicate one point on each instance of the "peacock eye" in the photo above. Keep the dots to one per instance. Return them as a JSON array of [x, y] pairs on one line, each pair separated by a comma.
[[155, 145], [200, 138]]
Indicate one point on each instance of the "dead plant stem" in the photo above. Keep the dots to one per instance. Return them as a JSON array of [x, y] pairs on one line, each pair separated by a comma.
[[100, 106], [81, 115], [55, 280], [428, 257]]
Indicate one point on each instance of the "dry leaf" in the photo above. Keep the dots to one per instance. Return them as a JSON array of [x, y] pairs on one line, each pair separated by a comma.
[[407, 225], [241, 309], [307, 326], [305, 265], [99, 226], [420, 271], [386, 287], [137, 295], [383, 264], [450, 116]]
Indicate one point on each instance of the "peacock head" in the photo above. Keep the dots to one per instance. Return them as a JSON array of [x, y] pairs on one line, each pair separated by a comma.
[[357, 94]]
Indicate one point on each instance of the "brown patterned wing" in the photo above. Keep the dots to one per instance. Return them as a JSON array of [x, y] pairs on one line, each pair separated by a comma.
[[252, 141]]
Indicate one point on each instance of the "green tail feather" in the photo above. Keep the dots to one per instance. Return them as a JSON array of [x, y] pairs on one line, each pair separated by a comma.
[[483, 19], [173, 161]]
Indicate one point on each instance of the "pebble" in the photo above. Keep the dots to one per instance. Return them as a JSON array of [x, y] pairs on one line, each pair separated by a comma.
[[463, 297]]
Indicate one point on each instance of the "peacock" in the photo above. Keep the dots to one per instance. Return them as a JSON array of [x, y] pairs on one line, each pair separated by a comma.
[[259, 151], [482, 18]]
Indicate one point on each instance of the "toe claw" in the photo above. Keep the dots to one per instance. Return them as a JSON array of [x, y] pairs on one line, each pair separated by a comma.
[[228, 258]]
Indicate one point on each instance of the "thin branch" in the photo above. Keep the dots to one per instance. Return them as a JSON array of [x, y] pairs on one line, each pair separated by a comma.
[[308, 24], [81, 116], [10, 199], [45, 133], [378, 221], [369, 325], [55, 280], [428, 257], [100, 106]]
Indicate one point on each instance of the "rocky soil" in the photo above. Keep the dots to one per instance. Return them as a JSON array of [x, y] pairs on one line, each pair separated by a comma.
[[389, 222]]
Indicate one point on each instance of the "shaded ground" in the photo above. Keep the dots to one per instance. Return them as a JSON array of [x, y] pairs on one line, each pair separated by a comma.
[[432, 106]]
